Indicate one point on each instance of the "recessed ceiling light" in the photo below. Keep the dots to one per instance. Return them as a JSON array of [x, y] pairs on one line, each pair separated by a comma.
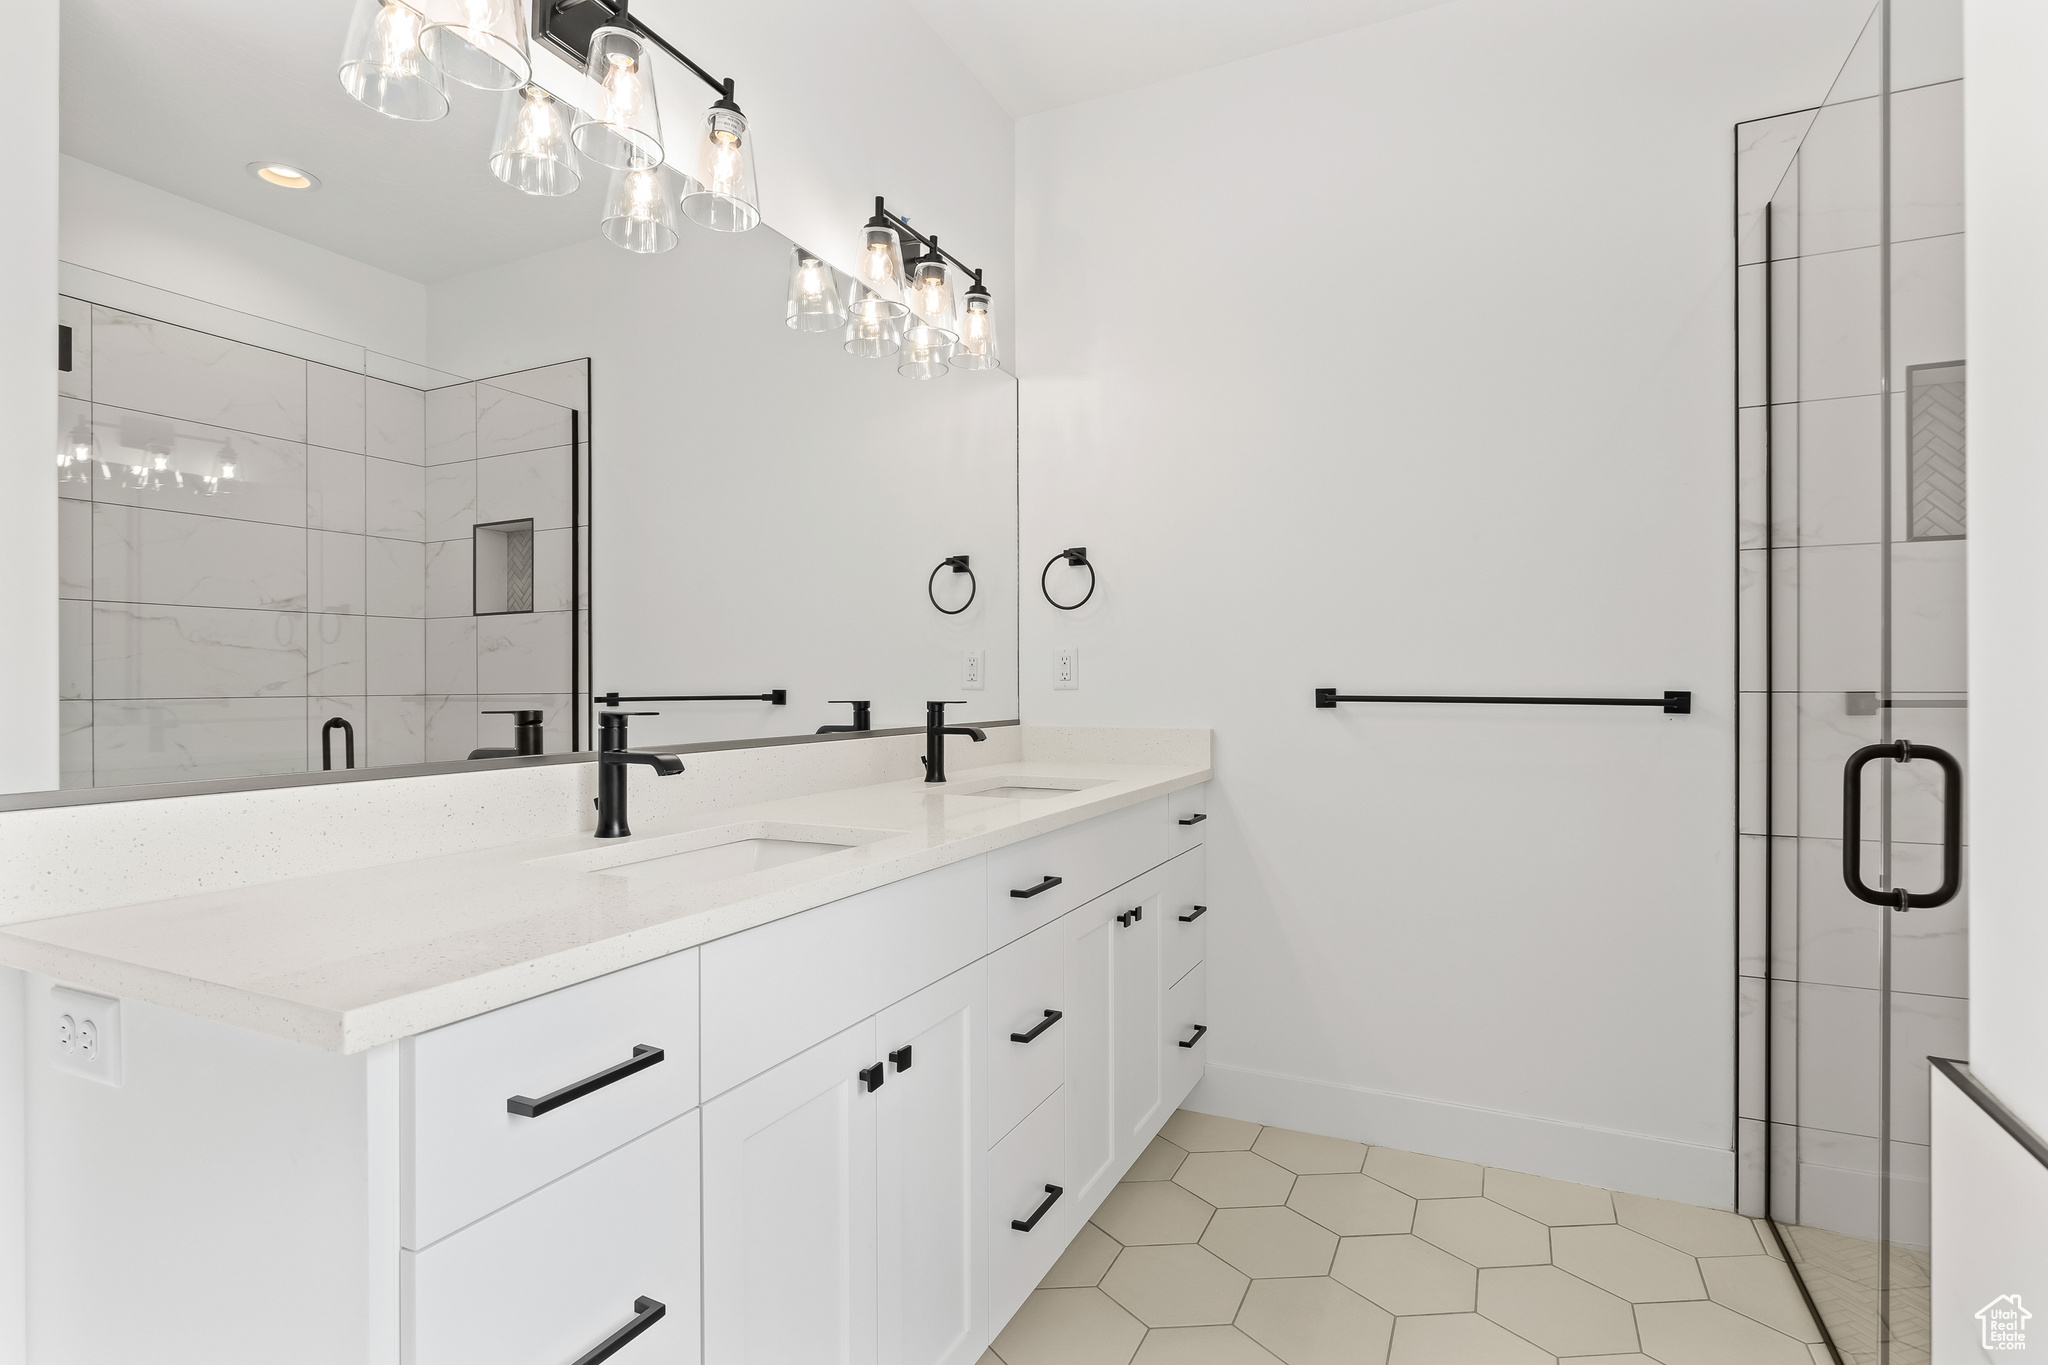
[[285, 177]]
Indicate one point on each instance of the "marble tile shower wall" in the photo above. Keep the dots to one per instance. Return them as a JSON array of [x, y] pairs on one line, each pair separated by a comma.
[[1821, 561], [248, 548]]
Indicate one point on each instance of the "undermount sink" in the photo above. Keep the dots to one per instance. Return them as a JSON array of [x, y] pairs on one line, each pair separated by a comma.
[[710, 855], [1023, 788]]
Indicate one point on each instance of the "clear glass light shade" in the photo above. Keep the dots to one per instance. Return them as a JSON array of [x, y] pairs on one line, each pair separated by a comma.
[[640, 211], [881, 267], [931, 297], [814, 300], [533, 153], [724, 200], [479, 42], [383, 66], [619, 125], [874, 327], [926, 351], [978, 349]]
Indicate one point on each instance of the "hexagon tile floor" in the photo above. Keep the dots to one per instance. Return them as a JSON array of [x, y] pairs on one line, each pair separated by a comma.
[[1232, 1244]]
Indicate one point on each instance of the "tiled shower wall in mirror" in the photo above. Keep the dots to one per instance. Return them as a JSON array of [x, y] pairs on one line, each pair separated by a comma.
[[254, 544]]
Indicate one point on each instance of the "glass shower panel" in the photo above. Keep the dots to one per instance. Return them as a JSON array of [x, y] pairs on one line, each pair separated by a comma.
[[1852, 411]]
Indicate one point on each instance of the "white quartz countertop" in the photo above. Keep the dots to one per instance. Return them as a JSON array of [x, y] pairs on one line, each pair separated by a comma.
[[348, 960]]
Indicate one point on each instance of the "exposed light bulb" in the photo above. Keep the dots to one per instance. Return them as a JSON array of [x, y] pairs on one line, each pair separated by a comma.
[[620, 92], [398, 36], [811, 279], [160, 462], [874, 262], [227, 469]]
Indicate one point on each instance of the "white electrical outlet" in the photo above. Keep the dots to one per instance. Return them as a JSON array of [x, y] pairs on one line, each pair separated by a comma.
[[972, 667], [85, 1034], [1066, 669]]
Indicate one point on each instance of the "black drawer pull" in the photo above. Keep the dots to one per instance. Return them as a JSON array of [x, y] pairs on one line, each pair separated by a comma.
[[1200, 1029], [642, 1058], [900, 1058], [1051, 1017], [1131, 916], [1028, 892], [646, 1312], [871, 1077], [1193, 819], [1052, 1196], [1200, 911]]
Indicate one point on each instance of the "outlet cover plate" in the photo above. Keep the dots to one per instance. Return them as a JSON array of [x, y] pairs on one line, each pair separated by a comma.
[[1066, 669], [94, 1016], [974, 670]]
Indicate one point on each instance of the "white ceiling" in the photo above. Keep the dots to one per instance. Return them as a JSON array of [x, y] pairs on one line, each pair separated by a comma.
[[183, 94], [1040, 54]]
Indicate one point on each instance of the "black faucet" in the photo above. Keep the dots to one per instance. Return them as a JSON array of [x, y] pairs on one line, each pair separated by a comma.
[[526, 735], [860, 720], [612, 758], [935, 732]]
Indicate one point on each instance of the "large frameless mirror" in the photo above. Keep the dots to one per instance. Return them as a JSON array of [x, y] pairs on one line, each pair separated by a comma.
[[388, 442]]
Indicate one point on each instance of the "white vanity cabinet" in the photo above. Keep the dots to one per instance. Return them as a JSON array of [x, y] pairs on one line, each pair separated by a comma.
[[856, 1135]]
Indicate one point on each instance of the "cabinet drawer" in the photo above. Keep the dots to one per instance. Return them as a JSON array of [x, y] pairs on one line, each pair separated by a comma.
[[1184, 928], [466, 1154], [554, 1275], [1087, 859], [1188, 823], [1186, 1016], [1020, 1167], [1025, 980], [771, 992]]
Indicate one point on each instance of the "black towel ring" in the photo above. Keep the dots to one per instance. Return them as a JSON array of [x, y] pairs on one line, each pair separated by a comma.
[[958, 564], [1078, 558]]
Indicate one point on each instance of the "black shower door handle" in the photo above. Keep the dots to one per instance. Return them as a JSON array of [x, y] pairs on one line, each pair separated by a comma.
[[1903, 751]]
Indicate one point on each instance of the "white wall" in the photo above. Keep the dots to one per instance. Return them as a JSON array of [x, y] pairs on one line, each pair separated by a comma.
[[124, 228], [1401, 361]]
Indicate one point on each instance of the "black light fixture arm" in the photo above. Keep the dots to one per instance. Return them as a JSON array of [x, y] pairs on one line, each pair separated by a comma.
[[930, 244], [622, 17]]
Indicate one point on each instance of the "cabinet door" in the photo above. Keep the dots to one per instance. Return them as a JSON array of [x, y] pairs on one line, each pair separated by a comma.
[[1090, 1116], [1135, 993], [789, 1211], [931, 1274], [609, 1246], [1187, 1022]]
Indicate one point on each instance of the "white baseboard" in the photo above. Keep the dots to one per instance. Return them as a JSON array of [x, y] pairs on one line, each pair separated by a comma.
[[1659, 1167]]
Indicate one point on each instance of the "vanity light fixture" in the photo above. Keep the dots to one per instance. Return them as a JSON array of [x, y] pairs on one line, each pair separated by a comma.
[[481, 43], [640, 212], [384, 67], [534, 154], [814, 299], [285, 177], [723, 198], [622, 129], [924, 293]]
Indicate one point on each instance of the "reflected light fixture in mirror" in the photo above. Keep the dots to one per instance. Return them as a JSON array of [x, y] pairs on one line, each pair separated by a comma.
[[383, 66], [874, 327], [814, 300], [724, 199], [977, 331], [926, 350], [481, 43], [640, 211], [621, 126], [533, 153]]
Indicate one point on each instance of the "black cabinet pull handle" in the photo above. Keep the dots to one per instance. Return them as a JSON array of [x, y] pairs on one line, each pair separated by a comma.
[[1028, 892], [900, 1058], [646, 1312], [871, 1077], [1131, 916], [1200, 1029], [642, 1058], [1052, 1196], [1200, 911], [1051, 1017], [1904, 751], [1193, 819]]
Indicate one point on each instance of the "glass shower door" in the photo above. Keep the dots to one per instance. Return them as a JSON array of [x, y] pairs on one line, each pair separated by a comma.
[[1853, 418]]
